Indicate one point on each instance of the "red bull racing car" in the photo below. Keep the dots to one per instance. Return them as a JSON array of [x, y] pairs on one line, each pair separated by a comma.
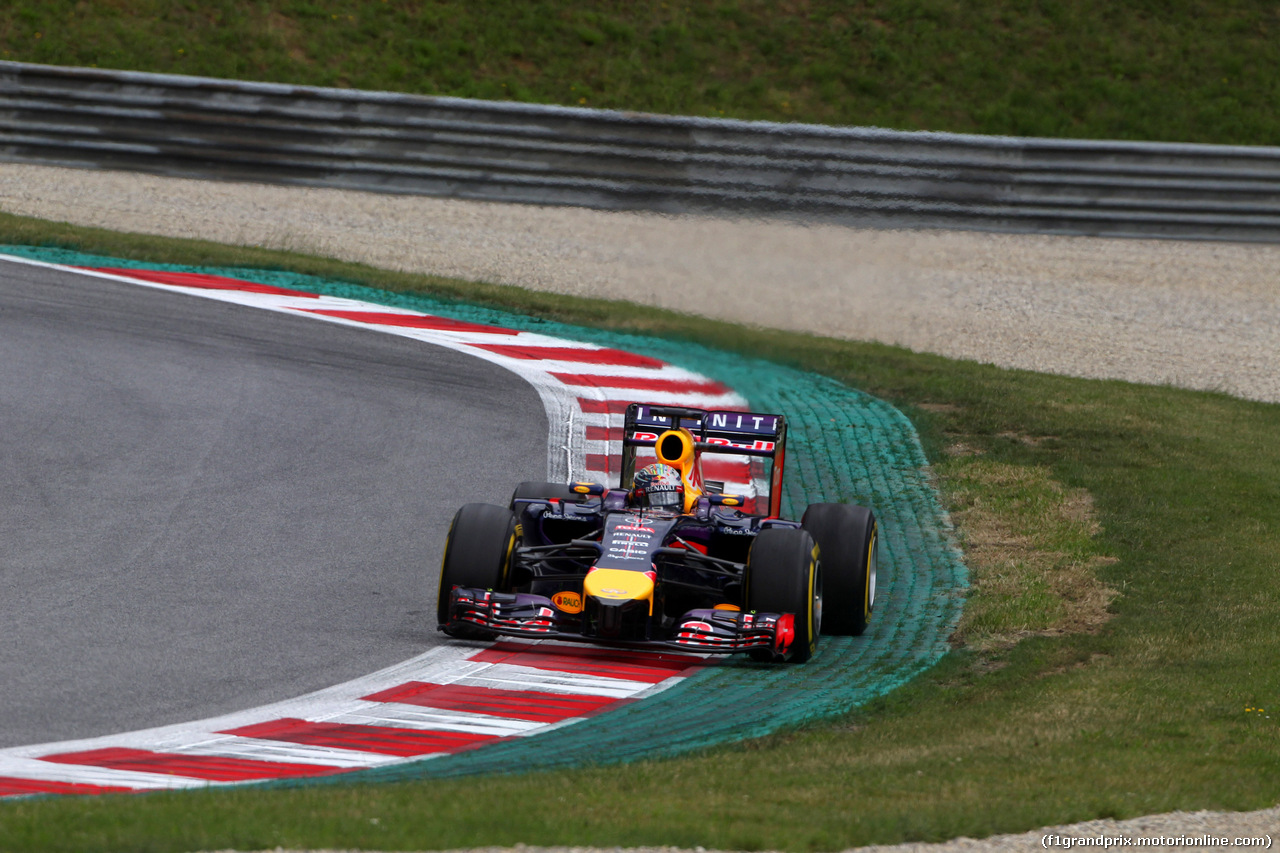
[[668, 558]]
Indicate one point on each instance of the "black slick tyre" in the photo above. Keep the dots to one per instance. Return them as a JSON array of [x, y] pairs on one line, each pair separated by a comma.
[[848, 545], [534, 489], [477, 552], [783, 576]]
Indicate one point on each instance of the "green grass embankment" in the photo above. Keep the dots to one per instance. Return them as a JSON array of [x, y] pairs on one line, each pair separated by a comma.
[[1183, 70]]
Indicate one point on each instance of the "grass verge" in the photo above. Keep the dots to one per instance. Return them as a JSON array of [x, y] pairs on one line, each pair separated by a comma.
[[1032, 549], [1169, 497], [1181, 70]]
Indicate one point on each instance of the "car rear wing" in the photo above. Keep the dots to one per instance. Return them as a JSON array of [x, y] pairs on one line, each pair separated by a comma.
[[747, 449]]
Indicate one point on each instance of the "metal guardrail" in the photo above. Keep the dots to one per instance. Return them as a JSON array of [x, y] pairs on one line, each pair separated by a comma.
[[229, 130]]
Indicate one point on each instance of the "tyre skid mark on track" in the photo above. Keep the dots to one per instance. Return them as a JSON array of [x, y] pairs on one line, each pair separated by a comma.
[[454, 698]]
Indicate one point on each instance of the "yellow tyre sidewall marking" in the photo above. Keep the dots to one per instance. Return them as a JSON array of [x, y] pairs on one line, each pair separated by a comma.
[[866, 590], [813, 611]]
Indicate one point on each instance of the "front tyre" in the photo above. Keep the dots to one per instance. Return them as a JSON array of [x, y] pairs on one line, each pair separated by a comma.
[[783, 576], [848, 542], [477, 552]]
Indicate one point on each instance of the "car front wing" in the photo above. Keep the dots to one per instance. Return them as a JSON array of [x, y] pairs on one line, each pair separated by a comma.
[[713, 631]]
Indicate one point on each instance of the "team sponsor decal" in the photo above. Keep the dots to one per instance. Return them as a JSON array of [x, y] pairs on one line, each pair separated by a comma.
[[569, 602], [629, 546], [758, 444], [629, 542], [729, 421], [743, 422]]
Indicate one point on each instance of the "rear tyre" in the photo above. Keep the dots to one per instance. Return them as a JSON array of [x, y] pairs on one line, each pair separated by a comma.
[[534, 489], [783, 576], [848, 543], [477, 554]]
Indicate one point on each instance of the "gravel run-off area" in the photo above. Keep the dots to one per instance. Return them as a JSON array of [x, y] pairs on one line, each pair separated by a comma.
[[1202, 315]]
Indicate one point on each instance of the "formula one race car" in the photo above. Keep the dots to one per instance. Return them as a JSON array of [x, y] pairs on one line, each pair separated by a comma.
[[667, 559]]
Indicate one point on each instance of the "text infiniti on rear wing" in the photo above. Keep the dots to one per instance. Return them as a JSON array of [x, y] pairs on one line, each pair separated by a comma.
[[741, 452]]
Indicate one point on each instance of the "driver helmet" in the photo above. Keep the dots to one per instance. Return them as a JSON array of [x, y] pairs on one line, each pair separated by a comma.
[[658, 485]]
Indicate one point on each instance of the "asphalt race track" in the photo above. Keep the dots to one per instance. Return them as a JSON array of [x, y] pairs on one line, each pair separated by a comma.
[[207, 507]]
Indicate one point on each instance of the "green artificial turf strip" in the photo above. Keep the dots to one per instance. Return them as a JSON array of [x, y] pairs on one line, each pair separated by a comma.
[[1179, 70], [1153, 712]]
